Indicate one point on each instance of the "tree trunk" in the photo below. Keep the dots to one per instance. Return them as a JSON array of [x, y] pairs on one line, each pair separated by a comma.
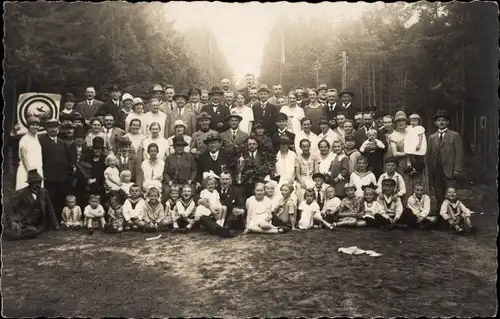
[[374, 83], [380, 82]]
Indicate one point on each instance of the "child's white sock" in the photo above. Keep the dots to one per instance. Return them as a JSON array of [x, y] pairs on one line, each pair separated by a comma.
[[176, 226], [220, 222]]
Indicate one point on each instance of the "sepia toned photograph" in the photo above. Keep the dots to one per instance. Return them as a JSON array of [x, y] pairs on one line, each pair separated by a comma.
[[236, 160]]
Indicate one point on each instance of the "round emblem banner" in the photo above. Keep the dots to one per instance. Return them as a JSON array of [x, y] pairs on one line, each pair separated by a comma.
[[45, 106]]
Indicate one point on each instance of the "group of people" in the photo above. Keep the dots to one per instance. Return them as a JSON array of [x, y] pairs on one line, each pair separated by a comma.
[[184, 160]]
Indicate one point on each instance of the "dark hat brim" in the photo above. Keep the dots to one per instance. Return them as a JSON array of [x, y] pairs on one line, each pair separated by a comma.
[[51, 124], [35, 180], [181, 95], [212, 139], [184, 144], [441, 115], [318, 175], [236, 116], [346, 92], [204, 117]]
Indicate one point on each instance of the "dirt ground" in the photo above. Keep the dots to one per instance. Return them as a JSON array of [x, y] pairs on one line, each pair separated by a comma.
[[421, 273]]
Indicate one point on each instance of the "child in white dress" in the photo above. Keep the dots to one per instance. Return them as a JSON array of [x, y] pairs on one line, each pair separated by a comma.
[[271, 193], [71, 214], [415, 145], [456, 214], [94, 212], [126, 178], [371, 139], [132, 209], [331, 205], [259, 214], [371, 206], [311, 212], [209, 202], [112, 174]]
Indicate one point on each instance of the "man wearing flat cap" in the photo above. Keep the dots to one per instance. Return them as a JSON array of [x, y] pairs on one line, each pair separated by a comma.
[[217, 111], [233, 137], [194, 100], [265, 112], [198, 145], [445, 156], [58, 166], [31, 211]]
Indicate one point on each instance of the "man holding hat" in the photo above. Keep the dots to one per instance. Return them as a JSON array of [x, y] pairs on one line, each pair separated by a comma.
[[213, 159], [194, 100], [58, 167], [180, 167], [233, 137], [30, 212], [346, 97], [180, 113], [217, 111], [265, 112], [445, 156], [198, 145], [113, 105]]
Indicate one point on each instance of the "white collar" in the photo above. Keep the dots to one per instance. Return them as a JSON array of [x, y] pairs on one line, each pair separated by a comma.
[[214, 155], [282, 131], [388, 200], [234, 131], [327, 132], [90, 101], [215, 104], [346, 105], [443, 130]]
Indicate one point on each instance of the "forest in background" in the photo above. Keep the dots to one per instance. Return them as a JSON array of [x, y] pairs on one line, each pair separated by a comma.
[[59, 47]]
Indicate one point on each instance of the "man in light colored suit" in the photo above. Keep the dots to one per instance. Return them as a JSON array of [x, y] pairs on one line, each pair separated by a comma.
[[444, 156], [112, 132], [90, 106], [183, 113], [233, 136], [194, 100]]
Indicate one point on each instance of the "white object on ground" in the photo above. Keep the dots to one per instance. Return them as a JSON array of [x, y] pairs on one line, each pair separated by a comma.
[[153, 238], [354, 250]]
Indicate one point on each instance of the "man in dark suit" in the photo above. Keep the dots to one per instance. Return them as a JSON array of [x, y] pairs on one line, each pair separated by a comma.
[[128, 160], [253, 159], [265, 112], [180, 167], [113, 105], [368, 124], [232, 197], [213, 159], [346, 99], [217, 111], [31, 211], [282, 125], [58, 166], [233, 138], [249, 82], [90, 106], [333, 107], [445, 156]]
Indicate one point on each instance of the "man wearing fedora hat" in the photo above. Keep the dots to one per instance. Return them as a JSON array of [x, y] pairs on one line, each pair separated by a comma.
[[346, 97], [214, 158], [182, 113], [31, 211], [233, 137], [445, 156], [198, 145], [180, 167], [58, 166], [265, 112], [113, 105], [217, 111]]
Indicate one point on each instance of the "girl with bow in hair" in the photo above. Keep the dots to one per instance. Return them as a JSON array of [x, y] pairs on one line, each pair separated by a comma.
[[209, 202]]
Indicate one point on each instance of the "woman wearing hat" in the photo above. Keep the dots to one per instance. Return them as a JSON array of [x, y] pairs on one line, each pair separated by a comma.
[[263, 139], [30, 153], [68, 105], [92, 180], [180, 166], [31, 210], [179, 130], [157, 138], [315, 111], [137, 113], [396, 142]]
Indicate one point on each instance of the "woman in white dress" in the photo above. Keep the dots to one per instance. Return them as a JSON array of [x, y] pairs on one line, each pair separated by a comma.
[[294, 112], [154, 129], [30, 153], [326, 156], [245, 112], [135, 135]]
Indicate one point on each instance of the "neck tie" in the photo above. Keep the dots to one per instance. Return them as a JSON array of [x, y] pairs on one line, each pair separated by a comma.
[[441, 136], [319, 196], [90, 103], [234, 135]]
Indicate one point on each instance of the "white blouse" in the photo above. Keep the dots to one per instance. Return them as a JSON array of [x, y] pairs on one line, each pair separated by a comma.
[[285, 166], [153, 173], [360, 181], [324, 164]]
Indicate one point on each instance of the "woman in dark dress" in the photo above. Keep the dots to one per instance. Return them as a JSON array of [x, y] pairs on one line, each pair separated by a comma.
[[90, 173]]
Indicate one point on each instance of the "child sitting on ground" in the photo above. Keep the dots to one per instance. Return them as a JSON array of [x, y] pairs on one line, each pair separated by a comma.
[[209, 202], [271, 193], [259, 214], [153, 213], [112, 174], [311, 212], [285, 214], [349, 212], [171, 204], [183, 213], [351, 151], [456, 214], [415, 145], [71, 214], [331, 205], [132, 209], [94, 212], [390, 202], [391, 165], [319, 188], [115, 212], [420, 205], [362, 176], [126, 178], [371, 206]]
